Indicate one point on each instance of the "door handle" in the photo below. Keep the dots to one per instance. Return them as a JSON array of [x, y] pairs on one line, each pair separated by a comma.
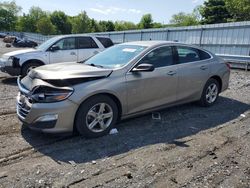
[[72, 53], [203, 67], [171, 73]]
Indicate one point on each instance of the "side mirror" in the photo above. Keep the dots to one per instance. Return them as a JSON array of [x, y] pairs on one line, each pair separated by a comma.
[[144, 68], [54, 48]]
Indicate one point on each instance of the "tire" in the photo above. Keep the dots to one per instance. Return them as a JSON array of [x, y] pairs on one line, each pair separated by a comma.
[[90, 121], [27, 67], [209, 98]]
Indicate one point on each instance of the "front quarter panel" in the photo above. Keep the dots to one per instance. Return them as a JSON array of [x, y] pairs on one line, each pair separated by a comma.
[[114, 85], [41, 56]]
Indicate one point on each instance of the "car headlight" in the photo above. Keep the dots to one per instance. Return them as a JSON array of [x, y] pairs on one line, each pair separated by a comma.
[[45, 94], [9, 61]]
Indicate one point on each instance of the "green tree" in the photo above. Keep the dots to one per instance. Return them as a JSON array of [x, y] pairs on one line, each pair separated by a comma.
[[124, 25], [26, 24], [146, 22], [61, 21], [239, 9], [45, 26], [107, 26], [8, 15], [36, 13], [157, 25], [80, 23], [103, 26], [184, 19], [94, 26], [214, 11], [110, 26]]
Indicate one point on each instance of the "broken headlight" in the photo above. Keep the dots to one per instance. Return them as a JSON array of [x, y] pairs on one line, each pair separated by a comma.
[[45, 94]]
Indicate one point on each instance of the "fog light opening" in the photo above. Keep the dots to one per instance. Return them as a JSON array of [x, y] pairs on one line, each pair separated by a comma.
[[49, 117]]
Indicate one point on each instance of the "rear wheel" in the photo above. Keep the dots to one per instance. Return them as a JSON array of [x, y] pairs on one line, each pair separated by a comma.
[[28, 67], [96, 116], [210, 93]]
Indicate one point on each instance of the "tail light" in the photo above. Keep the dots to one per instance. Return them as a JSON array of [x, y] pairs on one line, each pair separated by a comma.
[[228, 66]]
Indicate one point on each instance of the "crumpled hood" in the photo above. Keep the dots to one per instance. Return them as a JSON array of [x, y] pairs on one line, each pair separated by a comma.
[[67, 71], [20, 52]]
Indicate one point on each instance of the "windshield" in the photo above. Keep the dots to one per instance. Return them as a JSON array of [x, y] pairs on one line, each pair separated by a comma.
[[47, 44], [116, 56]]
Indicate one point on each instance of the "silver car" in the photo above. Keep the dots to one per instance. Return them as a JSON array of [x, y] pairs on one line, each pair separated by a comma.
[[124, 81]]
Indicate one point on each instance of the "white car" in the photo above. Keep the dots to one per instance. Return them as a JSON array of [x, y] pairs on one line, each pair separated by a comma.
[[67, 48]]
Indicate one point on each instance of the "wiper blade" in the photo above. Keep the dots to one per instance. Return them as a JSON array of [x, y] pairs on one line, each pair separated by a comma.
[[81, 61], [94, 65]]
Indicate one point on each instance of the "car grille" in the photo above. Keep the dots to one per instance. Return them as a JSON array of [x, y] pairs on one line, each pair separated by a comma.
[[22, 107], [23, 103]]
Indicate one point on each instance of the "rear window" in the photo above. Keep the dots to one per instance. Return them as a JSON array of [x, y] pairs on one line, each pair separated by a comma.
[[86, 42], [106, 42]]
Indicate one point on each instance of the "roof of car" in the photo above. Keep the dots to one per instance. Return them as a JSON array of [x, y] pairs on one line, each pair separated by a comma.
[[80, 35], [150, 43]]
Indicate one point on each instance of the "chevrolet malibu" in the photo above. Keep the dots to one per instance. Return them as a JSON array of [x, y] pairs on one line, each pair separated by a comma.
[[124, 81]]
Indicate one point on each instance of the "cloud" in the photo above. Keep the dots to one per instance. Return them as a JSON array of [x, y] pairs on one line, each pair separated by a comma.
[[113, 10], [134, 11], [98, 11], [195, 1]]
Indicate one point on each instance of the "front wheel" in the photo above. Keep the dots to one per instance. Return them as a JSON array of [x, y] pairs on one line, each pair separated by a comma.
[[96, 116], [210, 93], [28, 67]]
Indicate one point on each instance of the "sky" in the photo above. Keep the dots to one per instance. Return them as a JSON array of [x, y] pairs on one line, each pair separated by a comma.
[[126, 10]]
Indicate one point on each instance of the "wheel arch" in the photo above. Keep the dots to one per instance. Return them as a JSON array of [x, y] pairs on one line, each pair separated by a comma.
[[219, 80], [112, 96], [33, 61]]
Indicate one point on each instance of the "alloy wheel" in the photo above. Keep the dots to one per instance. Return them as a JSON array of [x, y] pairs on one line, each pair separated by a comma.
[[211, 93], [29, 69], [99, 117]]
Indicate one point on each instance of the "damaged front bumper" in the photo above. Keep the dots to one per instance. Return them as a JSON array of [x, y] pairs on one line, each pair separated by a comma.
[[11, 67], [11, 70], [55, 117]]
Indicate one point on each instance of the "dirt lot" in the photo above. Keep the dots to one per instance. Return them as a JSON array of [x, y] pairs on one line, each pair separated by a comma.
[[190, 146]]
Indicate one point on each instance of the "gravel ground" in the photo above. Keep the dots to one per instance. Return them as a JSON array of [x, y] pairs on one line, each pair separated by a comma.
[[190, 146]]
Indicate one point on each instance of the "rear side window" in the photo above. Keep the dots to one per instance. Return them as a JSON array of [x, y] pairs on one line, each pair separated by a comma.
[[106, 42], [86, 42], [204, 55], [187, 54], [159, 57]]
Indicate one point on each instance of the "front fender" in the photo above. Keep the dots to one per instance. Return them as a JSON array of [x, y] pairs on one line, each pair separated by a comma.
[[114, 87], [39, 57]]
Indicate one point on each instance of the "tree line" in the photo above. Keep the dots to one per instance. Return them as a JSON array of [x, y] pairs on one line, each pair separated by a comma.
[[57, 22]]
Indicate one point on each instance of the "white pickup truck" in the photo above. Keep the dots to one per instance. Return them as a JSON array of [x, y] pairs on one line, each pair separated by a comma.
[[67, 48]]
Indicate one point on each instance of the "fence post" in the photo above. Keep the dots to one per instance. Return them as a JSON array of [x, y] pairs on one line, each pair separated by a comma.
[[141, 35], [201, 36], [167, 34], [123, 37]]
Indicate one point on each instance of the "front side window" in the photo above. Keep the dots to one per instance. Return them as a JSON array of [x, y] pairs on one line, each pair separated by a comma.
[[187, 54], [47, 43], [86, 42], [159, 57], [66, 44]]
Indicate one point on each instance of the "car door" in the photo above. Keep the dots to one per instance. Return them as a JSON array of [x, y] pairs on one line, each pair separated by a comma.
[[66, 51], [193, 73], [146, 90], [87, 48]]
